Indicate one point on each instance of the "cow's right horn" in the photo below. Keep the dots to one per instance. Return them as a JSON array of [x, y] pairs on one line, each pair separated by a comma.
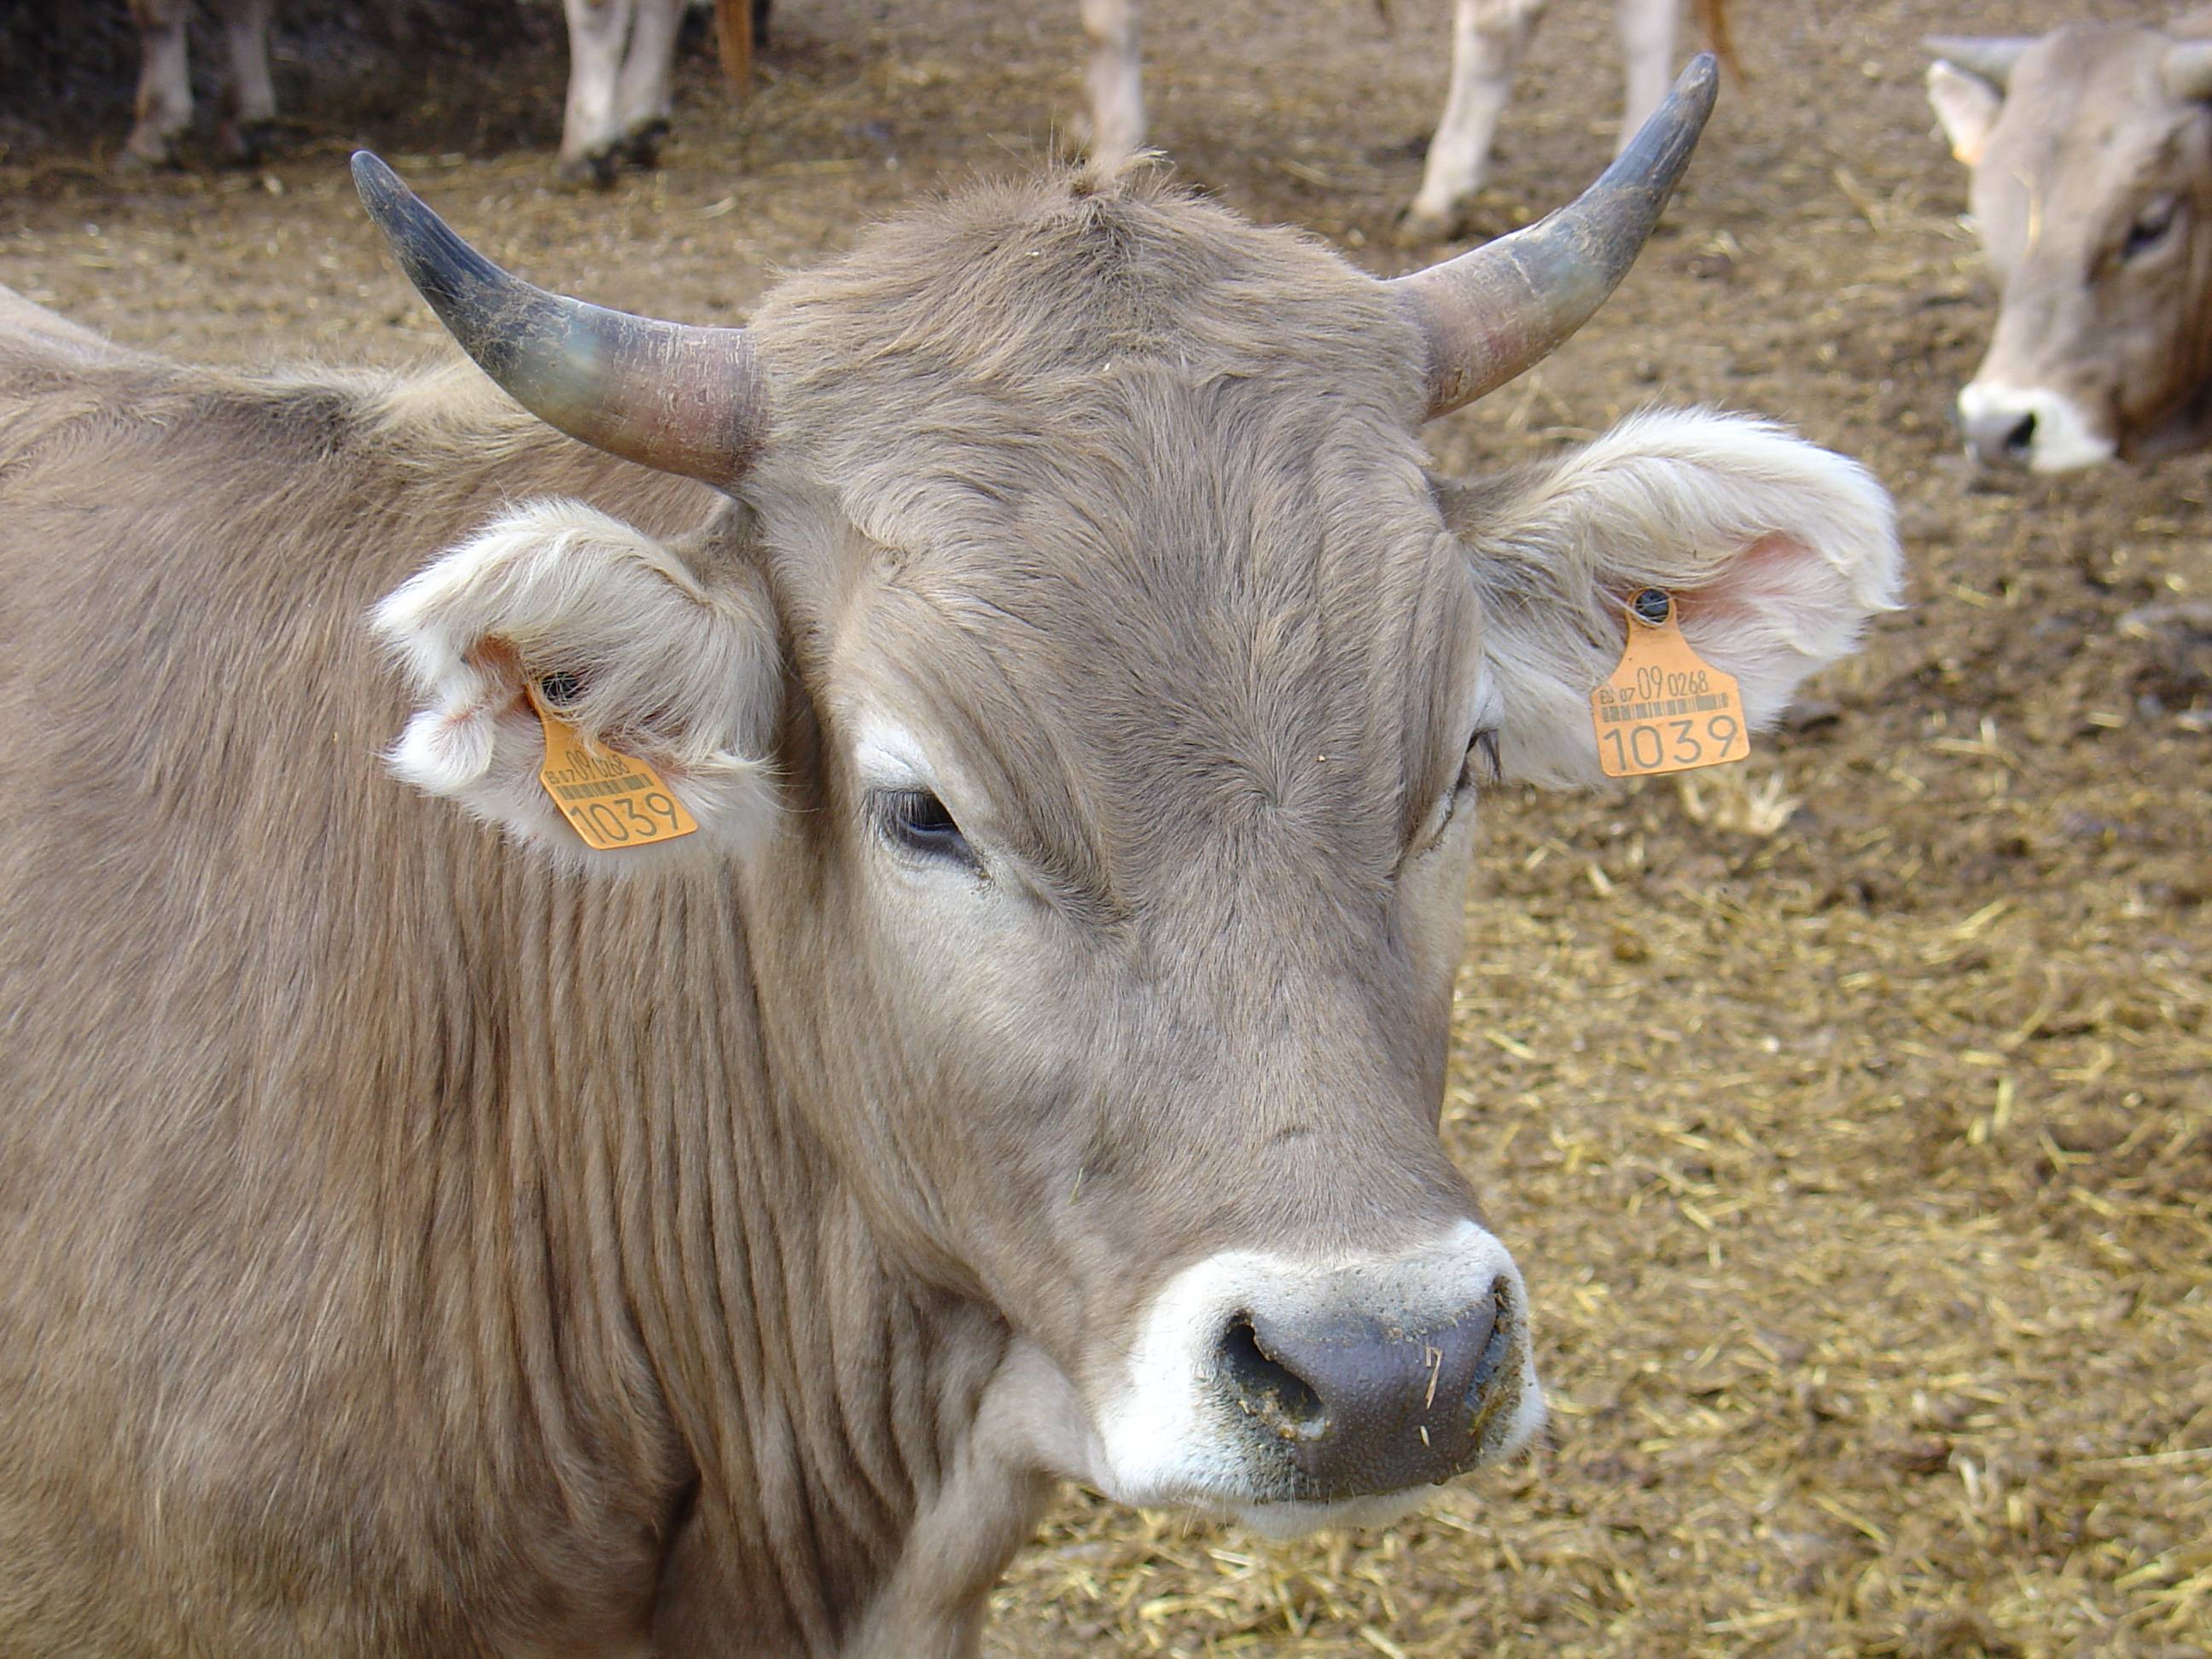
[[1990, 56], [674, 397], [1493, 313]]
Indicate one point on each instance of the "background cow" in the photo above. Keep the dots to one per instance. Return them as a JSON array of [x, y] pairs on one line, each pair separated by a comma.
[[621, 80], [1488, 39], [2090, 151], [424, 1233]]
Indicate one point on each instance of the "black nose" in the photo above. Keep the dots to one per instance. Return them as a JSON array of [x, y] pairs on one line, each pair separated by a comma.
[[1363, 1404], [2001, 437]]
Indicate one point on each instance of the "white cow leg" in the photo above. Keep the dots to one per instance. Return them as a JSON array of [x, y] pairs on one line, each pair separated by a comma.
[[645, 102], [1488, 37], [590, 129], [1117, 92], [165, 84], [1647, 56], [249, 97]]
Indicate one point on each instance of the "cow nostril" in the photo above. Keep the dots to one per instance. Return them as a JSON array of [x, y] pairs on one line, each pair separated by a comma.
[[1265, 1388], [1484, 1388], [2021, 438]]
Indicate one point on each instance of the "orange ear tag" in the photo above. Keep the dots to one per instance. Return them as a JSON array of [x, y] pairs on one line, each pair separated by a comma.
[[1665, 710], [609, 799]]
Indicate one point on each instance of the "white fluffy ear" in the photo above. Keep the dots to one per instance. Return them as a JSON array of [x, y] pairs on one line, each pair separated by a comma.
[[1967, 105], [1776, 553], [665, 666]]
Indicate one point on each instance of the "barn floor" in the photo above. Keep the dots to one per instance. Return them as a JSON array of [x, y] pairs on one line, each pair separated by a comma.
[[1851, 1115]]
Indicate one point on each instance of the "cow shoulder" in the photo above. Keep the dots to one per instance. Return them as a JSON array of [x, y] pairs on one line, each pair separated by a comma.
[[29, 332]]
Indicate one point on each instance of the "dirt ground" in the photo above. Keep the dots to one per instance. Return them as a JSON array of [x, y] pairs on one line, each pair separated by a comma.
[[1851, 1116]]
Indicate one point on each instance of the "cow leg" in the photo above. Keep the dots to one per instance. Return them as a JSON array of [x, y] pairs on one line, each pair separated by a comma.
[[1117, 92], [249, 98], [165, 84], [590, 131], [646, 98], [1488, 37], [1647, 57]]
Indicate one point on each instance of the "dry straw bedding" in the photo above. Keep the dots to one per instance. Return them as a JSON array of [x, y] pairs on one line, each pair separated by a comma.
[[1851, 1115]]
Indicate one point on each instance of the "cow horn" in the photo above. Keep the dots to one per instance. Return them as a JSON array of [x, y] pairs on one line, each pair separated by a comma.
[[676, 399], [2187, 70], [1990, 56], [1500, 309]]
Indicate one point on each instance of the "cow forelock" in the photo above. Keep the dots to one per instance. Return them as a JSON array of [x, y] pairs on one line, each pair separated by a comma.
[[1111, 500], [2104, 333]]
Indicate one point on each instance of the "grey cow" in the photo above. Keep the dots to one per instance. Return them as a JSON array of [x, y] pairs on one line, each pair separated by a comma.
[[424, 1231], [2090, 151]]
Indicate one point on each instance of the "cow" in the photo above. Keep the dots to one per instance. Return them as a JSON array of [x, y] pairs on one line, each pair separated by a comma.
[[425, 1231], [1488, 38], [621, 82], [2091, 190]]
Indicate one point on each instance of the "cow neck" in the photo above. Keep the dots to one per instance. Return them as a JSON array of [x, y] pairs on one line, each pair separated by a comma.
[[707, 1270]]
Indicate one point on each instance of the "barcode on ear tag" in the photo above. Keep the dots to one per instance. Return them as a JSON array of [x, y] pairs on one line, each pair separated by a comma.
[[1665, 708], [609, 799]]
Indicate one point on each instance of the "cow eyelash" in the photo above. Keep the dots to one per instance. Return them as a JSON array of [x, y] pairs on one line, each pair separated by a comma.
[[1482, 766], [1479, 769], [915, 821]]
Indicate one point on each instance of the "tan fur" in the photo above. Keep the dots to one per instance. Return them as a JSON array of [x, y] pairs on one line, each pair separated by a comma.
[[411, 1243], [2082, 140]]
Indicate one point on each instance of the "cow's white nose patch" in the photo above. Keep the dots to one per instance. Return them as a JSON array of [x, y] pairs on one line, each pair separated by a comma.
[[2063, 438], [1168, 1436]]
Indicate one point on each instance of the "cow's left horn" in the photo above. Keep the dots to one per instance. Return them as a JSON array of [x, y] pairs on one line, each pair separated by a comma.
[[1493, 313], [676, 398]]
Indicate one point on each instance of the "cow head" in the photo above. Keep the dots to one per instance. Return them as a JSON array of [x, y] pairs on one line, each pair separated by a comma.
[[1091, 692], [2090, 151]]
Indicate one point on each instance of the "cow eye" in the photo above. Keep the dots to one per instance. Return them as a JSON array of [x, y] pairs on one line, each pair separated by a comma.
[[2150, 228], [915, 821]]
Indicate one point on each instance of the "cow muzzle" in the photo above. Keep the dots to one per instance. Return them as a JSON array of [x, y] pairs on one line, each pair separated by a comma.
[[1297, 1393], [2031, 427]]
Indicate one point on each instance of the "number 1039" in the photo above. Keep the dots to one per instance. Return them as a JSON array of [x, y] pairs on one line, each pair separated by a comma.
[[1672, 745]]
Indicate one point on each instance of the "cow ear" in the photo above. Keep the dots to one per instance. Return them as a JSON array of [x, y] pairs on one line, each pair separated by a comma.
[[1967, 105], [669, 661], [1776, 553]]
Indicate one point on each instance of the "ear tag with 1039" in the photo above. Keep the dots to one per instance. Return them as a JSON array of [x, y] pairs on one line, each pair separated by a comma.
[[1665, 708], [609, 799]]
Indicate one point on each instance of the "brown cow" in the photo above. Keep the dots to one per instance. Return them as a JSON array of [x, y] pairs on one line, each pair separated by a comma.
[[2090, 151], [422, 1234]]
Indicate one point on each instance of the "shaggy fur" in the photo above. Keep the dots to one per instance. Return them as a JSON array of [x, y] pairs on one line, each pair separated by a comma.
[[411, 1241]]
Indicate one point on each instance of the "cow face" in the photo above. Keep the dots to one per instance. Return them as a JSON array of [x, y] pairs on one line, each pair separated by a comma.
[[2091, 152], [1112, 807]]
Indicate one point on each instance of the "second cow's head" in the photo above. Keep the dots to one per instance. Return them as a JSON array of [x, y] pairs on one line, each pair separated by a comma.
[[1091, 691], [2091, 152]]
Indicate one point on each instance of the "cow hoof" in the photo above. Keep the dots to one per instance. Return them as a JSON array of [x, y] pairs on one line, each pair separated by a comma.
[[642, 147], [1418, 227], [244, 144], [147, 155], [592, 171]]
